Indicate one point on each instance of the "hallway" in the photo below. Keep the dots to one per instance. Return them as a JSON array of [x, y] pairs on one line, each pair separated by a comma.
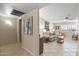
[[69, 48], [13, 50]]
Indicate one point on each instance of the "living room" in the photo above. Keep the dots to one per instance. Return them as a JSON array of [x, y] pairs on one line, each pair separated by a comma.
[[59, 30]]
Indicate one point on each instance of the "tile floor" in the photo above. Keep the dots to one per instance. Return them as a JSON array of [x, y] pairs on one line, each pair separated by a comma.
[[69, 48], [13, 50]]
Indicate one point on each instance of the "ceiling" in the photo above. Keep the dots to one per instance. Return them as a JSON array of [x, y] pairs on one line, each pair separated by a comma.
[[25, 7], [54, 12], [6, 8], [57, 12]]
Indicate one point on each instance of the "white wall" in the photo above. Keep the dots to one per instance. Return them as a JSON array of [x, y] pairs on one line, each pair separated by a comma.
[[42, 26], [31, 42], [78, 31], [8, 30]]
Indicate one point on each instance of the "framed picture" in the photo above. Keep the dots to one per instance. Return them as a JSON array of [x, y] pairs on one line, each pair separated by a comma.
[[57, 27], [47, 25], [29, 26]]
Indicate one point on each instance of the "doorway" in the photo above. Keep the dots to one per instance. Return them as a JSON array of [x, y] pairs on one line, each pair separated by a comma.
[[20, 31], [60, 36]]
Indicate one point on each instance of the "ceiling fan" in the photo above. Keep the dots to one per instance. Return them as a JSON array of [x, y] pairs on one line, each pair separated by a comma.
[[67, 17]]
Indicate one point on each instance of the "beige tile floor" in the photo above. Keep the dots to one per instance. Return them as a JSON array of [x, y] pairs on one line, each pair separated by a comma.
[[69, 48], [13, 50]]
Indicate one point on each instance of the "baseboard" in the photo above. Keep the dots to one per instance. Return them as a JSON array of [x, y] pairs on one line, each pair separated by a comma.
[[29, 51]]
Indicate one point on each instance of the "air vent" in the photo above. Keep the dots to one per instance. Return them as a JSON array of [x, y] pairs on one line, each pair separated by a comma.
[[17, 13]]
